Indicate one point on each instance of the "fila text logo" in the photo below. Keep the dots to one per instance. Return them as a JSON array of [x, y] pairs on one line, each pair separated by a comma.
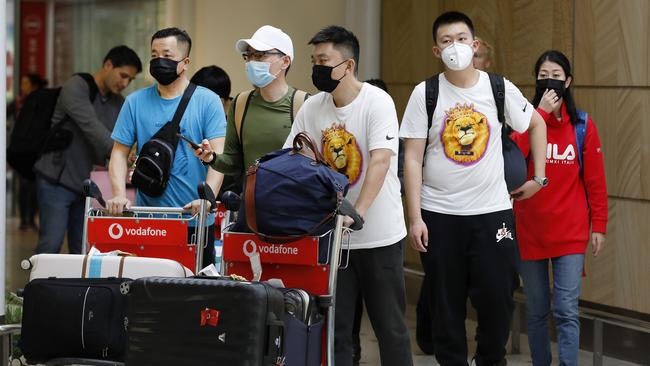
[[553, 153]]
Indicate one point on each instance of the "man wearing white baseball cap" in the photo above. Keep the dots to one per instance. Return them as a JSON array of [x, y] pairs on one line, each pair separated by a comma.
[[260, 119]]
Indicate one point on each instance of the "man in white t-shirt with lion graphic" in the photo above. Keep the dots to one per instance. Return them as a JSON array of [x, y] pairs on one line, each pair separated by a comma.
[[355, 125], [460, 215]]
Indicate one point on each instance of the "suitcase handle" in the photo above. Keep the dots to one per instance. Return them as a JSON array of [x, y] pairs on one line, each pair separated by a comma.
[[275, 341]]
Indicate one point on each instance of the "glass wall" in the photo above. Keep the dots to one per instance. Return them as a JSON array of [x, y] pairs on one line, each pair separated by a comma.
[[85, 30]]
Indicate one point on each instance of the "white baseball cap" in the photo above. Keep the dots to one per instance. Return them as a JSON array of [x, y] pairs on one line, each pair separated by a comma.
[[267, 38]]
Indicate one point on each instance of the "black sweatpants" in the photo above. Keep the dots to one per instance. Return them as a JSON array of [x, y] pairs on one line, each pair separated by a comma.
[[470, 256], [377, 273]]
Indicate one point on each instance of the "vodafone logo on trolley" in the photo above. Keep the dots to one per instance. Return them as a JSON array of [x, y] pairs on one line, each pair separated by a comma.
[[116, 231], [240, 247], [143, 231]]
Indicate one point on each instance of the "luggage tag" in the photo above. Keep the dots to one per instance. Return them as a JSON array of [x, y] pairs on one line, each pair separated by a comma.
[[254, 257]]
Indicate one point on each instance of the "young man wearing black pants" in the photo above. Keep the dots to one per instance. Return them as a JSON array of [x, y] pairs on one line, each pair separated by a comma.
[[355, 126], [459, 209]]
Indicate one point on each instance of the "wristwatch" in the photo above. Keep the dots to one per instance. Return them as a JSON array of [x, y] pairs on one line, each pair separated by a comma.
[[542, 181]]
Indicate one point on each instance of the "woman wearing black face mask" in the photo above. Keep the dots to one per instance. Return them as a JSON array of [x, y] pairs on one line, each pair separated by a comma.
[[558, 223]]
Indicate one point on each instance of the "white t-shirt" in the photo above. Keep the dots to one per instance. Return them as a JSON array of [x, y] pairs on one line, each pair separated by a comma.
[[463, 163], [346, 136]]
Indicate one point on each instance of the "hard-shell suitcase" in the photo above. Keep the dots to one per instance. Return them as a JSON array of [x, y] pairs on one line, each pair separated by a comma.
[[101, 266], [204, 321], [74, 318], [303, 327]]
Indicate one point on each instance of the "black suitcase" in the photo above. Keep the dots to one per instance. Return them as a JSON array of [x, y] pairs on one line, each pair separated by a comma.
[[74, 318], [204, 321]]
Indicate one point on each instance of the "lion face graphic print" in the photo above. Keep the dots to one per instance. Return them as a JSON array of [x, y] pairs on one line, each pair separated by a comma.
[[341, 152], [464, 134]]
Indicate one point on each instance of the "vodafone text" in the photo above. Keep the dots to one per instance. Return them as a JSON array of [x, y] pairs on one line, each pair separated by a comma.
[[116, 231]]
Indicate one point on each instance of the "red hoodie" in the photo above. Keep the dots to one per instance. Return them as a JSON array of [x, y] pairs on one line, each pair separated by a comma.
[[556, 220]]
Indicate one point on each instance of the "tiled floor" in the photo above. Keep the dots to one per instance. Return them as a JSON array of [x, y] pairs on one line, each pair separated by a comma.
[[370, 354], [20, 245]]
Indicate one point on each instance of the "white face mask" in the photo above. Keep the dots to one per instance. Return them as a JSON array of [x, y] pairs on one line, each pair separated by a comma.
[[458, 56]]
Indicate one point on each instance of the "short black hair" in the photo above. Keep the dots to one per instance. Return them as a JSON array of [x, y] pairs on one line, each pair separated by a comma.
[[342, 39], [214, 78], [36, 80], [449, 18], [123, 56], [181, 37]]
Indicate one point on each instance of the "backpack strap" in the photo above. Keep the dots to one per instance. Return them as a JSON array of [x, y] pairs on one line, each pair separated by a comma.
[[297, 100], [499, 92], [182, 105], [93, 89], [431, 87], [241, 105], [581, 132]]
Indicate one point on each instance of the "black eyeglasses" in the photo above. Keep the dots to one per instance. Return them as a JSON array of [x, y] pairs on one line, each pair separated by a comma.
[[258, 55]]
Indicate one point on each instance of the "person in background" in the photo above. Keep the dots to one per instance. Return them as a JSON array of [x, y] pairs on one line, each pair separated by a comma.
[[555, 226], [27, 196], [483, 57], [216, 79], [60, 174]]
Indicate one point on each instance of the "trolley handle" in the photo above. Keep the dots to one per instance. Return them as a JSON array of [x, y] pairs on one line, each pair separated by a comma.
[[346, 209], [231, 201], [139, 210], [92, 190], [206, 193]]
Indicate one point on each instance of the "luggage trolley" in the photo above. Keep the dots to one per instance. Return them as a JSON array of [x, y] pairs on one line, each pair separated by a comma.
[[159, 232], [310, 263], [135, 232]]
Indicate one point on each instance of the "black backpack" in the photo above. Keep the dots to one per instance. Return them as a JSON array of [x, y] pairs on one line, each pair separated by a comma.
[[33, 133], [154, 163], [514, 163]]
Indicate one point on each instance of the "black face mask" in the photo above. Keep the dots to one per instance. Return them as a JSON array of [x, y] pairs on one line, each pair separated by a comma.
[[553, 84], [163, 70], [321, 76]]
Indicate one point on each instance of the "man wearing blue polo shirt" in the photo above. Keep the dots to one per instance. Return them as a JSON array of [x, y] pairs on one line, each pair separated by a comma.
[[147, 110]]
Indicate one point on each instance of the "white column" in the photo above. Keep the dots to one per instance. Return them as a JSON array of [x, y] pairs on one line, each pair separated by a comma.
[[363, 18], [3, 153]]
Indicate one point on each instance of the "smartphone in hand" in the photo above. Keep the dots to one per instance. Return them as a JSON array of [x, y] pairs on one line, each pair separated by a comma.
[[194, 146]]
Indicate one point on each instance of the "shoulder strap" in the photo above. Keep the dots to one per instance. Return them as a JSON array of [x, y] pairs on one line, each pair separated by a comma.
[[581, 131], [240, 109], [92, 86], [187, 94], [297, 100], [499, 92], [431, 87]]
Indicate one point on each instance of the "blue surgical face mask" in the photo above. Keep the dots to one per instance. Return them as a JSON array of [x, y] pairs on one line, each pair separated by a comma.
[[258, 73]]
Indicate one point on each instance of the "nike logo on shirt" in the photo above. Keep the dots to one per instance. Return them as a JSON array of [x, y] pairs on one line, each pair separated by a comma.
[[389, 138]]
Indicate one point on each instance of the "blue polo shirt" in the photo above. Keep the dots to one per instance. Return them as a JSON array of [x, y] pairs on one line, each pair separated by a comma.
[[144, 112]]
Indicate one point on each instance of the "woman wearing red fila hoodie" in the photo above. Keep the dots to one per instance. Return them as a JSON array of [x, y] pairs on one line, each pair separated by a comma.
[[558, 222]]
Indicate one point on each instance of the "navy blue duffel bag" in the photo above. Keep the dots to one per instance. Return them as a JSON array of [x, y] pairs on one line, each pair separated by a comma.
[[292, 193]]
